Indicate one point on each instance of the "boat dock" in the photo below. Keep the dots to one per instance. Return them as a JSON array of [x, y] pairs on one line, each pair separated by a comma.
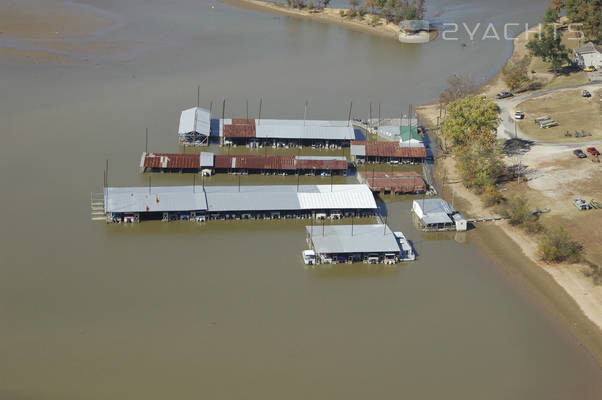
[[387, 152], [210, 163], [200, 203], [393, 182], [371, 244]]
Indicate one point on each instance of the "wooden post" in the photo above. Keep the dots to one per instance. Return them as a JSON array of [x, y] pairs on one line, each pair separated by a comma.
[[370, 118], [305, 113], [349, 117], [379, 114], [149, 184], [146, 143], [247, 110], [259, 118]]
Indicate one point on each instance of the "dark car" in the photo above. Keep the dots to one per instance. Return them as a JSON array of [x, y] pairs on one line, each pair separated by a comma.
[[503, 95], [593, 151], [579, 153], [586, 93]]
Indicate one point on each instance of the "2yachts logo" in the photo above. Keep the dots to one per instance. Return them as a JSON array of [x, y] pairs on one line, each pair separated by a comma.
[[490, 32]]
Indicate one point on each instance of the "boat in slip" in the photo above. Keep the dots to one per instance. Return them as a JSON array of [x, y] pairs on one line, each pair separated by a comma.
[[407, 253], [309, 257]]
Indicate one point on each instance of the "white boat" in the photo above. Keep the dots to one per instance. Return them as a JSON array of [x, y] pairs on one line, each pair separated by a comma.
[[309, 257], [407, 253]]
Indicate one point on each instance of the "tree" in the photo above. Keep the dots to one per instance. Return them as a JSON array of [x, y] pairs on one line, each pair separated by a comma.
[[354, 3], [557, 246], [551, 15], [550, 49], [515, 74], [459, 86], [480, 166], [588, 13], [471, 120], [557, 4]]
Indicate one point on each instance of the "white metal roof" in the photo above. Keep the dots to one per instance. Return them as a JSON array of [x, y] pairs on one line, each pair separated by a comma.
[[357, 239], [436, 218], [195, 119], [166, 198], [432, 206], [300, 129], [234, 198], [207, 159], [357, 150]]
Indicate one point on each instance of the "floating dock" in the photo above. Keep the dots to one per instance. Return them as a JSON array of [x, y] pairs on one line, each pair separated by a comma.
[[198, 203], [393, 182], [387, 152], [273, 164], [370, 244], [435, 215]]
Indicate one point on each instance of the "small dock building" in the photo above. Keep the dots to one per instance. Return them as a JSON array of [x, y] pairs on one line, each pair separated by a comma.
[[372, 244], [438, 215]]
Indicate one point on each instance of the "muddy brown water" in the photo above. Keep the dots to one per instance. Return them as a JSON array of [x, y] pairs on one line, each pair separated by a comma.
[[227, 309]]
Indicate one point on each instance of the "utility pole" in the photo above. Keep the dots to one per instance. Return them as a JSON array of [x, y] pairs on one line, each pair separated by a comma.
[[379, 114], [146, 144], [305, 112], [370, 119]]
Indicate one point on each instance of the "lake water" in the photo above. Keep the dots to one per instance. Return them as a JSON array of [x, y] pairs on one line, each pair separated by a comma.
[[227, 310]]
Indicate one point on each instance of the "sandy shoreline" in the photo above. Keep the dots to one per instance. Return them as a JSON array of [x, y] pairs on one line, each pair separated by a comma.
[[328, 16], [563, 290]]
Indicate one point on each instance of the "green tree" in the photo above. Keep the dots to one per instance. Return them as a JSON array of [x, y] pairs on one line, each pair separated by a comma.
[[556, 245], [471, 120], [354, 3], [551, 15], [549, 48], [515, 74], [588, 13]]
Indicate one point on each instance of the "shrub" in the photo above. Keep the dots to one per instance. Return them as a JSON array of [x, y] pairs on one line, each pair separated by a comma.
[[342, 13], [362, 11], [594, 272], [492, 196], [375, 20], [352, 13], [556, 245], [519, 215]]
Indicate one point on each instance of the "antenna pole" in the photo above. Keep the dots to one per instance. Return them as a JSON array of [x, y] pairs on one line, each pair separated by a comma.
[[198, 96]]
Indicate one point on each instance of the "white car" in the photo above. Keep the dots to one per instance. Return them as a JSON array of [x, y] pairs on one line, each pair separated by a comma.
[[519, 115]]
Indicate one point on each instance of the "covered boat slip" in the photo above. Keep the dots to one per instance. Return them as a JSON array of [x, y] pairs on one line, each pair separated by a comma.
[[132, 204], [437, 215], [387, 152], [393, 182], [286, 133], [371, 244], [271, 164]]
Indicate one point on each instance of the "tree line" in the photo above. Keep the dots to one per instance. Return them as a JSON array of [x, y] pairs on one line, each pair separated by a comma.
[[393, 11]]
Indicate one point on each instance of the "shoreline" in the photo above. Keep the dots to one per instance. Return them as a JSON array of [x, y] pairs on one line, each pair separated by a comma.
[[327, 16], [560, 289]]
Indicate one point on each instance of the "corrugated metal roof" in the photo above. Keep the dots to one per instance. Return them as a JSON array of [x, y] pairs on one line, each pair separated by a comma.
[[433, 206], [161, 199], [241, 130], [357, 239], [195, 119], [170, 160], [357, 150], [276, 162], [336, 197], [206, 159], [436, 218], [305, 132], [390, 149], [243, 198], [318, 164]]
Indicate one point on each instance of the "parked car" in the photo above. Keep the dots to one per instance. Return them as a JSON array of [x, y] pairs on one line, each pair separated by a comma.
[[591, 68], [503, 95], [579, 153], [581, 204], [586, 93], [593, 151], [519, 115]]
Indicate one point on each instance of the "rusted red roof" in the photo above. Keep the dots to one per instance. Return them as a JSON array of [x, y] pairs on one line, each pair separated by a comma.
[[240, 128], [273, 162], [390, 149], [167, 160], [334, 165], [399, 184]]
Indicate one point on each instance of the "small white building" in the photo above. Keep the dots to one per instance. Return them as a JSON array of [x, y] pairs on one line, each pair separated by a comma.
[[195, 127], [438, 215], [588, 55]]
